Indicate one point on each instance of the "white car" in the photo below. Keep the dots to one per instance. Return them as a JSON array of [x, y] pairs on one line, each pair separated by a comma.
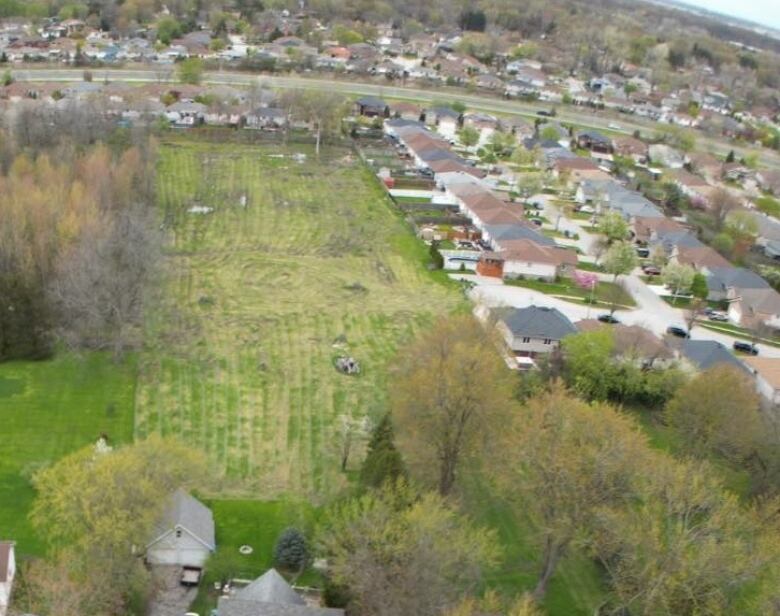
[[614, 126], [586, 209]]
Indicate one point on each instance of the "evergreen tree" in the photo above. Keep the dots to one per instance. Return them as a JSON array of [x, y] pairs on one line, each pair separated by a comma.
[[383, 462], [291, 551]]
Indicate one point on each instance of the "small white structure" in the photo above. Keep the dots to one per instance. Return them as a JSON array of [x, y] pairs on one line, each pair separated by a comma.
[[184, 535], [7, 573]]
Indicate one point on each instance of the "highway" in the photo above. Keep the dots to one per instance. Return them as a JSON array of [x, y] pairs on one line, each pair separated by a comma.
[[586, 118]]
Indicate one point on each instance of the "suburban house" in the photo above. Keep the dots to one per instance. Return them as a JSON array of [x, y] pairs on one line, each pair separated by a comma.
[[704, 354], [270, 595], [701, 257], [186, 114], [7, 573], [727, 283], [648, 230], [755, 306], [608, 195], [633, 343], [630, 147], [594, 141], [527, 259], [533, 331], [372, 107], [184, 535], [667, 156], [693, 187], [266, 118], [578, 169], [766, 371]]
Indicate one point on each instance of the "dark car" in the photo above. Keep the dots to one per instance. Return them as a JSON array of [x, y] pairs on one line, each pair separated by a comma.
[[651, 270], [537, 221], [746, 347], [607, 318], [677, 331]]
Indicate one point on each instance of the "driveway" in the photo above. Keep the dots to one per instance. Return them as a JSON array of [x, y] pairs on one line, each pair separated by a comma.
[[170, 598], [652, 312]]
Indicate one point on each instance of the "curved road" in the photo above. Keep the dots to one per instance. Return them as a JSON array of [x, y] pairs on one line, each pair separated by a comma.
[[581, 117]]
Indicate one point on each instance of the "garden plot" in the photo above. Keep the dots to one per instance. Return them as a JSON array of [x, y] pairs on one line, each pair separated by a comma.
[[283, 267]]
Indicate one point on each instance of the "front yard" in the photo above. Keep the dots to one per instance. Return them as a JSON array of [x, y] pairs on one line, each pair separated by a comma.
[[606, 293]]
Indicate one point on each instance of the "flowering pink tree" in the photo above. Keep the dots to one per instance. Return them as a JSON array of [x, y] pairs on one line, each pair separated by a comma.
[[586, 280]]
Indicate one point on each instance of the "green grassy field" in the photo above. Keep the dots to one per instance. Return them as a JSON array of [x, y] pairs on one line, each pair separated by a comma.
[[257, 524], [47, 410], [296, 264]]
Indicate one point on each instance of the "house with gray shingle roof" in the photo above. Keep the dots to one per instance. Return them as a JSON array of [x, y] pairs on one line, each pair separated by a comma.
[[270, 595], [533, 331], [184, 534], [728, 282], [704, 354]]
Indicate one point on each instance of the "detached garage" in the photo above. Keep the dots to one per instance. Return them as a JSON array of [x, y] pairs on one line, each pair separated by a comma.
[[184, 535]]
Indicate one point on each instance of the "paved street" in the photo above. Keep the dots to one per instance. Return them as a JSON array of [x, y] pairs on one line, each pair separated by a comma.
[[651, 312]]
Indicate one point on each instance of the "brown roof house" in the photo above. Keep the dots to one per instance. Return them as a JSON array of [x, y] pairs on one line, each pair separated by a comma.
[[766, 371], [525, 258], [7, 573], [633, 343]]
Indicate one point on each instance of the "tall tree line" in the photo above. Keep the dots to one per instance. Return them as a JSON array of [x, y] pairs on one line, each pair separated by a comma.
[[78, 241]]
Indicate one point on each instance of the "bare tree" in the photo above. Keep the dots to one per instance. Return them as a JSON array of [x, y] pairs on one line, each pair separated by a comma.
[[99, 287], [722, 203]]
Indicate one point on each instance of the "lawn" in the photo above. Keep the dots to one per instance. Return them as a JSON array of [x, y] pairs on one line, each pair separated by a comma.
[[606, 292], [293, 265], [577, 587], [257, 524], [47, 410], [768, 205]]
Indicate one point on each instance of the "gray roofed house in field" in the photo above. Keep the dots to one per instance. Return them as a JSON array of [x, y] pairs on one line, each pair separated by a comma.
[[270, 595], [184, 533], [371, 106], [704, 354]]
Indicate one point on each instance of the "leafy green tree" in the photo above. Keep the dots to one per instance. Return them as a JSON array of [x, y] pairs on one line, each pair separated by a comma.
[[291, 551], [191, 71], [562, 461], [678, 277], [614, 226], [92, 508], [724, 244], [383, 461], [699, 288], [717, 412], [549, 133], [620, 259], [451, 393], [398, 552], [468, 136], [168, 28]]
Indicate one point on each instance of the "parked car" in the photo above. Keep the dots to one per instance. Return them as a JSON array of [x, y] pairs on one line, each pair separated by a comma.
[[746, 347], [678, 331], [537, 221], [614, 126], [651, 270], [586, 209], [643, 252], [717, 316], [607, 318]]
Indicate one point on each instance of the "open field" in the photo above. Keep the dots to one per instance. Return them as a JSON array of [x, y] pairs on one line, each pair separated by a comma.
[[296, 264], [47, 410]]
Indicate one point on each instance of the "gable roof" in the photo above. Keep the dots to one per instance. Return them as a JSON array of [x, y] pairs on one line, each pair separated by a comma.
[[735, 277], [270, 588], [270, 595], [700, 256], [501, 233], [708, 353], [630, 339], [531, 252], [538, 322], [185, 511]]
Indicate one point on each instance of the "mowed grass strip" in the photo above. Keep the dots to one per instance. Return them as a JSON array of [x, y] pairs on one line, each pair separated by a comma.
[[276, 268], [47, 410]]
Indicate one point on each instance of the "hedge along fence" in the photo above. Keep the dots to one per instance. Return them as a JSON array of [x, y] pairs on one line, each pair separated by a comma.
[[408, 206], [454, 221], [221, 134]]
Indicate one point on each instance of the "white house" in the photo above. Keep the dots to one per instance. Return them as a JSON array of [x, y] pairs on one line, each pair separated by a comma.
[[767, 373], [7, 573], [184, 535]]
